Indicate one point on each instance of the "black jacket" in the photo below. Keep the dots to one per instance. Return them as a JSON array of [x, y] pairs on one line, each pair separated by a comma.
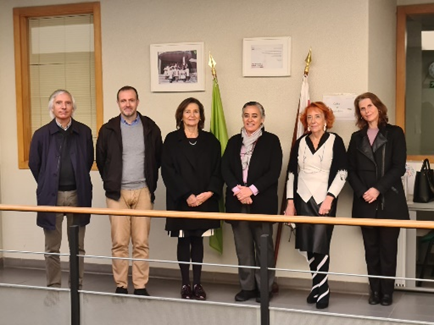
[[109, 155], [187, 170], [264, 172], [44, 162], [380, 166]]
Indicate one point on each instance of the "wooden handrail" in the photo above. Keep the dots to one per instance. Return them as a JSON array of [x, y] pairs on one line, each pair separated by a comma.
[[416, 224]]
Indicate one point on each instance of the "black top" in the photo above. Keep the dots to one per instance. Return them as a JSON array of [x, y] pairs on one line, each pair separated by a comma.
[[66, 177], [191, 166]]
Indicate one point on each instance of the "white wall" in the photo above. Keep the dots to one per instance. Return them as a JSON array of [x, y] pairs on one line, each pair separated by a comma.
[[350, 41]]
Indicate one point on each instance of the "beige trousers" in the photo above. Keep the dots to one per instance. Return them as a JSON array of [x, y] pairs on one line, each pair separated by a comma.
[[53, 239], [136, 229]]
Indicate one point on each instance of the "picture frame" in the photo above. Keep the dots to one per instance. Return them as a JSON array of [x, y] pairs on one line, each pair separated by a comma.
[[267, 57], [177, 67]]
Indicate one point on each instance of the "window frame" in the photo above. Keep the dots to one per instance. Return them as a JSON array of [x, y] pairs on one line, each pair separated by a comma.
[[400, 96], [21, 18]]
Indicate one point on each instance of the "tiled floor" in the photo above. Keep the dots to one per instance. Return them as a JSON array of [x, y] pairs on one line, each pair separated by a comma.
[[412, 306]]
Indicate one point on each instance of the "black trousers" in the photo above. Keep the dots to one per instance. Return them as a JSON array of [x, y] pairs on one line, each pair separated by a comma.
[[247, 236], [381, 248]]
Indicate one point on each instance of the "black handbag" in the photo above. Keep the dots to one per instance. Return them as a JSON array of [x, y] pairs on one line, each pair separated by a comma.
[[424, 184]]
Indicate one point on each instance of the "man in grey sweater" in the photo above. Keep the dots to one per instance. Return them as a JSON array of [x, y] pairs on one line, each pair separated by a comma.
[[128, 158]]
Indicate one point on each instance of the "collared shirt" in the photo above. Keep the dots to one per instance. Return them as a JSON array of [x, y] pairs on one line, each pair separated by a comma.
[[132, 123], [66, 127]]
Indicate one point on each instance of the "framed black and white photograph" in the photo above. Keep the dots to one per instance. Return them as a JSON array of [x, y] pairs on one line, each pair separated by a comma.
[[177, 67], [267, 57]]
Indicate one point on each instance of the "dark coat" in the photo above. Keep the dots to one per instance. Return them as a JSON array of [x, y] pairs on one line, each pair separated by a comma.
[[44, 162], [264, 172], [185, 173], [380, 166], [109, 155]]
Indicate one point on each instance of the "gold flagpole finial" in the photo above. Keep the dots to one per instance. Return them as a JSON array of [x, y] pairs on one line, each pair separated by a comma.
[[308, 60], [212, 65]]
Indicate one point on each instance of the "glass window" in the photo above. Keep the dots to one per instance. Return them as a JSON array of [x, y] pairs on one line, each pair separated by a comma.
[[415, 79], [58, 47]]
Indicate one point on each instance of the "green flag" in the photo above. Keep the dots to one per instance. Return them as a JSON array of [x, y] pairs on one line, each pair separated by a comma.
[[218, 128]]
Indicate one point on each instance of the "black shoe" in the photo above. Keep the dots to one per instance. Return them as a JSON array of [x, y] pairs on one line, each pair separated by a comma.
[[387, 300], [244, 295], [141, 292], [198, 292], [258, 297], [121, 290], [374, 298], [313, 296], [186, 292], [323, 301], [322, 304]]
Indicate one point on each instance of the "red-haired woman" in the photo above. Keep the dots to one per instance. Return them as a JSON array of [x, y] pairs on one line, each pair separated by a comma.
[[316, 175]]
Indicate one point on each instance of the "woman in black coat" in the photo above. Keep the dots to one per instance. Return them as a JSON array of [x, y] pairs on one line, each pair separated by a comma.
[[376, 161], [251, 167], [191, 172]]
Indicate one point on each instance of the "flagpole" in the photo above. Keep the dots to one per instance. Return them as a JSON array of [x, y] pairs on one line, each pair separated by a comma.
[[212, 63], [218, 128], [308, 60]]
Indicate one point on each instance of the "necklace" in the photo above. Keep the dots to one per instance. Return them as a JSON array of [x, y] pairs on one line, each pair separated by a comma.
[[192, 143]]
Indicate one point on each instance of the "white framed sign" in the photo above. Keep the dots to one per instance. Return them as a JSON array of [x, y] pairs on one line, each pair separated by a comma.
[[342, 105], [267, 57]]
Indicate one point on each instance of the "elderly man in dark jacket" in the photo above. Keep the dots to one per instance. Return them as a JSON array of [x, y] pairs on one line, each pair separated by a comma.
[[61, 157]]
